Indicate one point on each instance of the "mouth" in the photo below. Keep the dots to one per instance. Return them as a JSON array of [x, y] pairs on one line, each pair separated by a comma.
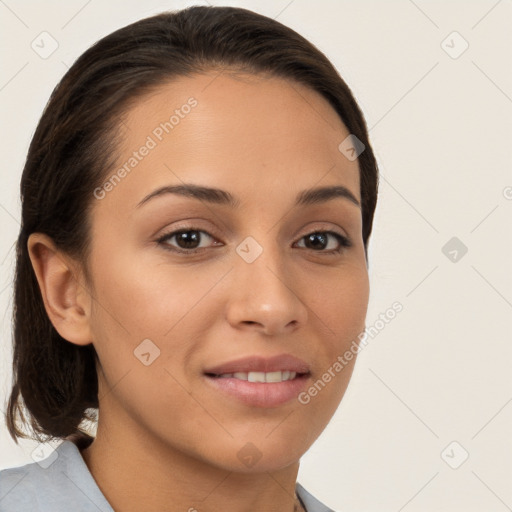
[[260, 381], [266, 377], [269, 389]]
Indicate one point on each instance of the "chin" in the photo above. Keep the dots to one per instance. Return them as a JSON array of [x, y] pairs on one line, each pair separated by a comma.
[[270, 464], [262, 454]]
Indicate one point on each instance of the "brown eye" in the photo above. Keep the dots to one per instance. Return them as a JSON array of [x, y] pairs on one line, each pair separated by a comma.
[[186, 240], [319, 241]]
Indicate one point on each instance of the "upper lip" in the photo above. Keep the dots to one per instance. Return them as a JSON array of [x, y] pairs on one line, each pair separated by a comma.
[[284, 362]]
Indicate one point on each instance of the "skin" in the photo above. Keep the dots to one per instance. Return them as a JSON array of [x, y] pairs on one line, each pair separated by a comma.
[[167, 440]]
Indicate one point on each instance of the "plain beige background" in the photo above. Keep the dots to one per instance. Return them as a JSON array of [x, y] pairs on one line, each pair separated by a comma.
[[434, 79]]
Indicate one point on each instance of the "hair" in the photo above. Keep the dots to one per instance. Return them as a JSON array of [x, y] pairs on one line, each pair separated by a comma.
[[74, 147]]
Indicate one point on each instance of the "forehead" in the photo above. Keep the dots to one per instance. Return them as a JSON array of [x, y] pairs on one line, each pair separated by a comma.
[[239, 106], [253, 135]]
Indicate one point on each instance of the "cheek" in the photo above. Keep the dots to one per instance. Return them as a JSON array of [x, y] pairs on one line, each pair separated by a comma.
[[341, 309], [140, 300], [137, 301], [146, 296], [340, 301], [354, 295]]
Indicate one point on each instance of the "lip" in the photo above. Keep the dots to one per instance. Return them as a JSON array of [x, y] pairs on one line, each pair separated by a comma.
[[260, 394], [261, 364]]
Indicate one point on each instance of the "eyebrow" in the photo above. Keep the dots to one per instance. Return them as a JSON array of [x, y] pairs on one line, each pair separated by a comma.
[[218, 196]]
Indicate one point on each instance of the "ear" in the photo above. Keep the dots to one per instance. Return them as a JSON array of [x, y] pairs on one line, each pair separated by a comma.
[[66, 299]]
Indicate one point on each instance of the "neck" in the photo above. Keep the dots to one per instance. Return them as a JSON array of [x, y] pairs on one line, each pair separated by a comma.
[[136, 471]]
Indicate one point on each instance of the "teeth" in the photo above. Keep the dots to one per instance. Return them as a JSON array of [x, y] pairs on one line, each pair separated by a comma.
[[261, 376], [273, 376], [256, 377]]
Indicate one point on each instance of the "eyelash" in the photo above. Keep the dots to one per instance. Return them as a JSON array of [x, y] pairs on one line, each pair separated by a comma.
[[343, 241]]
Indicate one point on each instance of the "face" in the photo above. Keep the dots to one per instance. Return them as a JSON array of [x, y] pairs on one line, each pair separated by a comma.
[[186, 283]]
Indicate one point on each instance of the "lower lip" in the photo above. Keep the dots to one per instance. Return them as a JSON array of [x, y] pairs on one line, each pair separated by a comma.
[[260, 394]]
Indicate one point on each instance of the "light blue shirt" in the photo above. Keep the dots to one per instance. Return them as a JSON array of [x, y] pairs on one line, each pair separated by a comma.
[[67, 484]]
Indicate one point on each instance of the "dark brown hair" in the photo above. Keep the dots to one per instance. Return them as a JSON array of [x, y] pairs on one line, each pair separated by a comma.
[[74, 148]]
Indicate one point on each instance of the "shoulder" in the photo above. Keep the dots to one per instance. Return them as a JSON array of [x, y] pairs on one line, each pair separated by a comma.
[[55, 484], [310, 502]]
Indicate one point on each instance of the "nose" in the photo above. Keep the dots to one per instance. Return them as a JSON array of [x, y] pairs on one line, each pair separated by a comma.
[[263, 296]]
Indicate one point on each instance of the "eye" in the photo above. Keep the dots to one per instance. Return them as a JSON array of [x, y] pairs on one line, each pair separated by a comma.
[[188, 240], [318, 241]]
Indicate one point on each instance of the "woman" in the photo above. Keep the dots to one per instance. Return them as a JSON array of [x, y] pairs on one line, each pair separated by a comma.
[[196, 208]]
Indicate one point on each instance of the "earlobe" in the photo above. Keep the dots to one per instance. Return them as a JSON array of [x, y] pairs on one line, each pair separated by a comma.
[[66, 301]]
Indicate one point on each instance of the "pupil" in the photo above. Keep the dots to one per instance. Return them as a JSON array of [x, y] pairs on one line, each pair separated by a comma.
[[310, 241], [188, 237]]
